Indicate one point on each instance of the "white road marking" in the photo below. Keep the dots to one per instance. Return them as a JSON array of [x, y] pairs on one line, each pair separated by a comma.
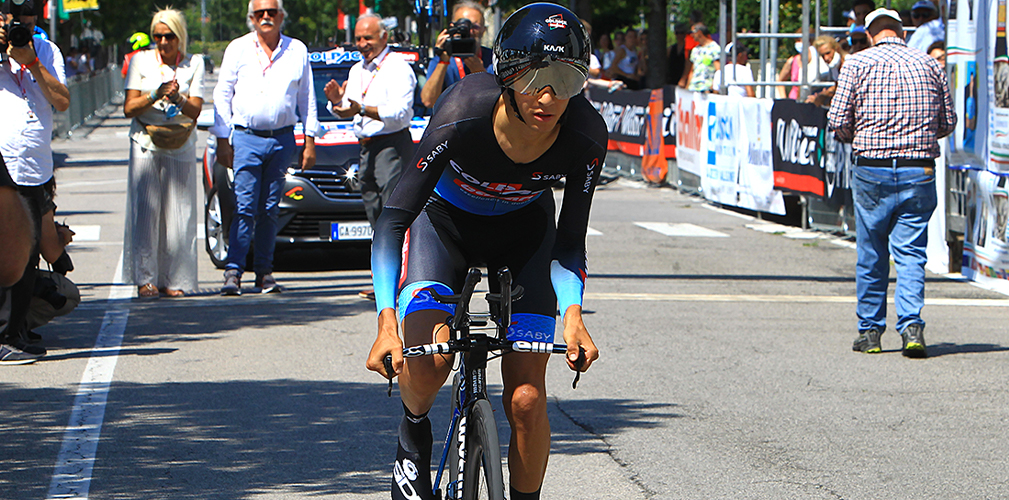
[[681, 229], [76, 459], [728, 212], [593, 232], [201, 231], [90, 183], [795, 299], [86, 232]]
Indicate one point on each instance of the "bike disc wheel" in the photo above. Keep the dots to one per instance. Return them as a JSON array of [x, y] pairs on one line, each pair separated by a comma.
[[482, 477]]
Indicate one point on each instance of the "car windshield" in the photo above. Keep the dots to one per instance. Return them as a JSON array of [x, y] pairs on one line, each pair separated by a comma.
[[322, 76]]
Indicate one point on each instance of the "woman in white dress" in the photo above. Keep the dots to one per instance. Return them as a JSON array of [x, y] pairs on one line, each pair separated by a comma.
[[164, 96]]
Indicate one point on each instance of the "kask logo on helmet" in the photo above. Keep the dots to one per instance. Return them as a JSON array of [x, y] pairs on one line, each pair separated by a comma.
[[556, 21]]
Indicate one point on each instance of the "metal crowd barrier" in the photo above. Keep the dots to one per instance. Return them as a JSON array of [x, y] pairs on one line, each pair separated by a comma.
[[88, 93]]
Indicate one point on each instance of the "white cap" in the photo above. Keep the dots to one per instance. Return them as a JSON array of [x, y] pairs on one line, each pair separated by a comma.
[[881, 12]]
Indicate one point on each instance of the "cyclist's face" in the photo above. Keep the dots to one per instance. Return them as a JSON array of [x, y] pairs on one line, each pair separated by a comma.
[[541, 111]]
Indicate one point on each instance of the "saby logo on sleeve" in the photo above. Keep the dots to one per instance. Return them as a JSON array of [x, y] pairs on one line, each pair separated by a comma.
[[556, 21], [437, 150], [588, 175]]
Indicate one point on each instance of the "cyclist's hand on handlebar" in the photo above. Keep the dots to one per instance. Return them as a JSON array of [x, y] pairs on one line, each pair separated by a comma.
[[578, 339], [388, 343]]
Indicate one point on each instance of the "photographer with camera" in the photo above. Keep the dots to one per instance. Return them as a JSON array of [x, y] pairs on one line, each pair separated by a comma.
[[459, 52], [32, 83]]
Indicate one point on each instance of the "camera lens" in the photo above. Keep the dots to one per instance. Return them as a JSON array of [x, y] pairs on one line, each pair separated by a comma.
[[18, 35]]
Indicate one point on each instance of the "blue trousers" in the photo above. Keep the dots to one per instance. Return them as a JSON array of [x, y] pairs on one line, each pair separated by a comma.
[[260, 164], [892, 209]]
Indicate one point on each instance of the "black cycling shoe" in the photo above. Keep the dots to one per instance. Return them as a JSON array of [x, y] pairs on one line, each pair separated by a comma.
[[868, 342], [914, 341]]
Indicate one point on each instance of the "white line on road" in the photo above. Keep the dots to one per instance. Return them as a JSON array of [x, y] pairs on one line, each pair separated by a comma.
[[592, 232], [87, 232], [681, 229], [90, 183], [76, 460], [820, 299]]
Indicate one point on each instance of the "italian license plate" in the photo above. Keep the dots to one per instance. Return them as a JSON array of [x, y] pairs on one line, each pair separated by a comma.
[[351, 231]]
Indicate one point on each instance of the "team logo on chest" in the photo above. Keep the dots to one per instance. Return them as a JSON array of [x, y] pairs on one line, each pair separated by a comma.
[[490, 190]]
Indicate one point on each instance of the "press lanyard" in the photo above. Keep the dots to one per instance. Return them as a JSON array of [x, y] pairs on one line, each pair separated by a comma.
[[161, 64], [260, 59], [364, 91]]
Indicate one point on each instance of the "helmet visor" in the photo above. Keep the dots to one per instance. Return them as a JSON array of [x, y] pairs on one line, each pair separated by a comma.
[[565, 78]]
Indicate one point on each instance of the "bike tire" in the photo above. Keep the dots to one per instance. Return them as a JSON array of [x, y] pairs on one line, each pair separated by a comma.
[[483, 478]]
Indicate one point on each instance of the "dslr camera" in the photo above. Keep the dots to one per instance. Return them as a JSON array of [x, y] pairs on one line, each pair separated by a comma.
[[461, 41], [17, 33]]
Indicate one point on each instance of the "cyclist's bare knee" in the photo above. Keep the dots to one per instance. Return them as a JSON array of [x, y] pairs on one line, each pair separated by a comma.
[[423, 376]]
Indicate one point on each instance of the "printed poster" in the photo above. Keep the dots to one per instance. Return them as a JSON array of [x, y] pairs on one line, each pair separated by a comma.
[[986, 240], [797, 150], [756, 171], [690, 127]]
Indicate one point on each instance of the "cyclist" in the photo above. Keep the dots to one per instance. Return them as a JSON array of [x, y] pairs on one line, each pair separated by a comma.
[[478, 192]]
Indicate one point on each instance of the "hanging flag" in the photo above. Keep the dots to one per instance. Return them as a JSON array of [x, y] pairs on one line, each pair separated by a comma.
[[341, 20]]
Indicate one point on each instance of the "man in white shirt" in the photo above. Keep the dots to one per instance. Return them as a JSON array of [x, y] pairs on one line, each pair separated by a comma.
[[737, 73], [378, 93], [929, 26], [32, 83], [265, 87]]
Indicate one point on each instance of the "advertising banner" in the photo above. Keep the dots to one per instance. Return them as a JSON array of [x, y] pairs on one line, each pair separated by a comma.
[[690, 128], [626, 117], [797, 149], [986, 245], [998, 89], [756, 172], [722, 147]]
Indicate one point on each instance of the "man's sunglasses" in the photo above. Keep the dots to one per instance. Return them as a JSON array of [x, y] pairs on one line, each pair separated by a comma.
[[919, 15], [259, 13], [167, 36]]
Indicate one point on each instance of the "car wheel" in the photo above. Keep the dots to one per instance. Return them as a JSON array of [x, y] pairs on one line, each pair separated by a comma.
[[216, 233]]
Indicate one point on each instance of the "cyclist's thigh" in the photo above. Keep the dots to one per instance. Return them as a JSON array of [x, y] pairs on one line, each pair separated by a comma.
[[431, 261]]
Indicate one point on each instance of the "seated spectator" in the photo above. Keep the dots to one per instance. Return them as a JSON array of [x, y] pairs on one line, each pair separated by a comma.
[[736, 73], [930, 29], [938, 52]]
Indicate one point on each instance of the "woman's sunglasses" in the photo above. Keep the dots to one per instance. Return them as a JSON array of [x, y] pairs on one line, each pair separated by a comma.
[[167, 36]]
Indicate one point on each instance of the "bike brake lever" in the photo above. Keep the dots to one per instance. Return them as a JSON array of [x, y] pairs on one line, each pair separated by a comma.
[[579, 364], [388, 369]]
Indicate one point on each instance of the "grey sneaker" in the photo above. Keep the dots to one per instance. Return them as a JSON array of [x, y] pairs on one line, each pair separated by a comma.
[[868, 342], [266, 284], [914, 341], [232, 283], [10, 355]]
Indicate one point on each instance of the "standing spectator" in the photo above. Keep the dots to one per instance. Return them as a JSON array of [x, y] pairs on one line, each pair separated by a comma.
[[444, 70], [738, 72], [704, 61], [70, 64], [857, 39], [164, 96], [677, 59], [138, 42], [32, 84], [791, 70], [604, 52], [625, 62], [265, 85], [862, 8], [892, 104], [378, 93], [926, 18]]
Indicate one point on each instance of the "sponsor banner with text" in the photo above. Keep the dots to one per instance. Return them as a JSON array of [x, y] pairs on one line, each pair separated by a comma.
[[797, 149], [986, 241], [690, 126]]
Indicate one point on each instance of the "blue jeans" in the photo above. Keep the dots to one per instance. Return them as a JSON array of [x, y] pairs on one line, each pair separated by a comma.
[[260, 164], [892, 209]]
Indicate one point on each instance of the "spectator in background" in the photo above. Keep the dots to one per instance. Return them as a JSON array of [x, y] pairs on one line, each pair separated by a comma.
[[70, 63], [677, 54], [604, 53], [862, 8], [445, 70], [736, 73], [32, 85], [625, 61], [906, 19], [164, 96], [138, 42], [857, 39], [893, 180], [830, 60], [790, 71], [704, 61], [378, 95], [255, 134], [643, 60], [929, 26], [938, 52]]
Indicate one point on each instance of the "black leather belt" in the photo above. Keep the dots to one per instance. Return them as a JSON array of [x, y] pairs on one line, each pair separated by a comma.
[[894, 162], [266, 133]]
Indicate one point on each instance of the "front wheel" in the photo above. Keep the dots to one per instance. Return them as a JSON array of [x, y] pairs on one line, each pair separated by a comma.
[[481, 474]]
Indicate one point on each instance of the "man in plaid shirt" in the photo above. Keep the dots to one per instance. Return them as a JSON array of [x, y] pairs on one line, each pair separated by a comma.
[[892, 104]]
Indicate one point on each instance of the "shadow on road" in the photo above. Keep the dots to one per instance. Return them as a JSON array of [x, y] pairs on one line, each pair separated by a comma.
[[947, 348]]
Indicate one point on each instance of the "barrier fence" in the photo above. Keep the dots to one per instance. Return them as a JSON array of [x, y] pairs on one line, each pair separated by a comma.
[[88, 93]]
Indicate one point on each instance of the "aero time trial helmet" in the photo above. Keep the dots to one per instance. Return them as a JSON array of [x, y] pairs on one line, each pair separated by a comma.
[[542, 45], [139, 40]]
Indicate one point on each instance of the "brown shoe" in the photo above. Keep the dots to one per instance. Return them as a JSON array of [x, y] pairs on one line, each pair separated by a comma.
[[147, 291]]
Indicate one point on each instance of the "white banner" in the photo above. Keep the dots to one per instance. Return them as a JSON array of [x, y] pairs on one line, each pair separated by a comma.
[[690, 129], [986, 242], [722, 145], [756, 171]]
